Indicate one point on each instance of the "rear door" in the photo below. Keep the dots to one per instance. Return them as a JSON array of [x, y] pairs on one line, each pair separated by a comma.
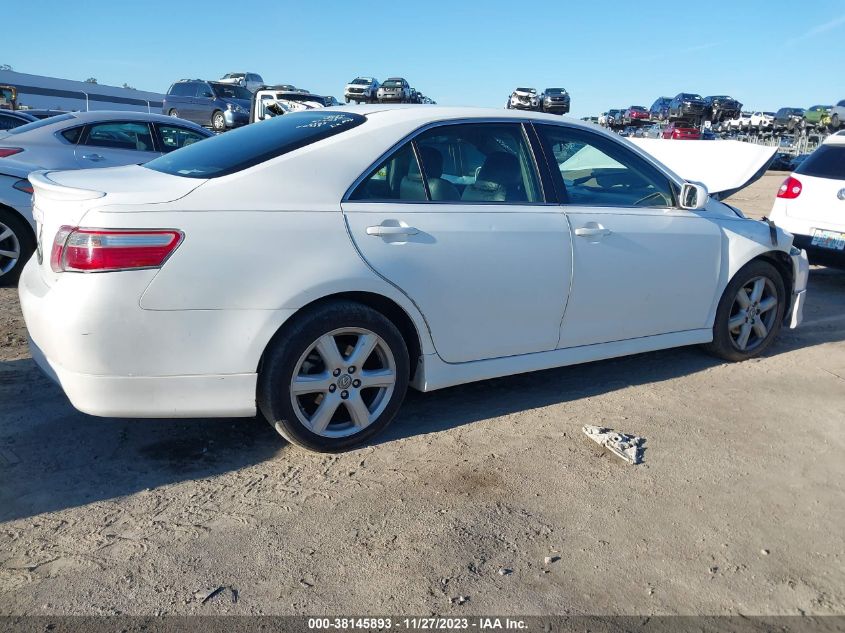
[[469, 238], [642, 266], [113, 143]]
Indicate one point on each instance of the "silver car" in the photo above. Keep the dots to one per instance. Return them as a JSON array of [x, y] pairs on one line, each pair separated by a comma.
[[79, 140]]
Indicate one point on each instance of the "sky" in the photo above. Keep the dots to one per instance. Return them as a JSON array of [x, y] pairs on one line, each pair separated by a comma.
[[606, 54]]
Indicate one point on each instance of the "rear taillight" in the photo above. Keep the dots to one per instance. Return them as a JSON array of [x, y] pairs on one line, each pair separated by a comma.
[[91, 250], [5, 152], [790, 189]]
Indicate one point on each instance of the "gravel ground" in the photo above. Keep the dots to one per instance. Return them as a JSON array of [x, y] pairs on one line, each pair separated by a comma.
[[481, 498]]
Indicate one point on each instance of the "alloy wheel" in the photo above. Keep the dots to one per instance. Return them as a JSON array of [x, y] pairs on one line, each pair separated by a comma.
[[343, 382], [753, 313], [10, 249]]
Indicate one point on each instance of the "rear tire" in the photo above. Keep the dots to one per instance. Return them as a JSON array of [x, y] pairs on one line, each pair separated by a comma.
[[750, 313], [17, 244], [312, 387]]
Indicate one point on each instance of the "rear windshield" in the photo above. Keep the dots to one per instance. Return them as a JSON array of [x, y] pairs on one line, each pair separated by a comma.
[[41, 123], [253, 144], [828, 161]]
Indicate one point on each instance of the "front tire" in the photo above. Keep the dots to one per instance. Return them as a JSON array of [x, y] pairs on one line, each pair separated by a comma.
[[218, 121], [750, 313], [17, 244], [335, 377]]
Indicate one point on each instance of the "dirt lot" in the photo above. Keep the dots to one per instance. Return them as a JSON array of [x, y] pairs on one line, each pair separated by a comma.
[[738, 508]]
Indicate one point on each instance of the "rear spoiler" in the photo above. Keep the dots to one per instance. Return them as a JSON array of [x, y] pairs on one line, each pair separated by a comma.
[[54, 191]]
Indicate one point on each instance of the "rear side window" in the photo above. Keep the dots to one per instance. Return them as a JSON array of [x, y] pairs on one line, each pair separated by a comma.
[[828, 161], [185, 89], [253, 144], [72, 135], [42, 123], [174, 136]]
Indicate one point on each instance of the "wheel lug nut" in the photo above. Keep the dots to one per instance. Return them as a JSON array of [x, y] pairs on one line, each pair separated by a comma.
[[332, 388], [356, 383], [352, 369], [344, 394], [336, 372]]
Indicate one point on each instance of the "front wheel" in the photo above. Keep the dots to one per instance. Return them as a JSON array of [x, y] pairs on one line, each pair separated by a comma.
[[334, 378], [218, 121], [750, 313]]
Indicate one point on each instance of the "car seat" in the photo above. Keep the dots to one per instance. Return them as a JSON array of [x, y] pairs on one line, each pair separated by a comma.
[[498, 180]]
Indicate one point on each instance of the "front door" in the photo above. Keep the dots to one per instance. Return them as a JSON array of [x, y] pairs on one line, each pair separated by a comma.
[[642, 266], [469, 238]]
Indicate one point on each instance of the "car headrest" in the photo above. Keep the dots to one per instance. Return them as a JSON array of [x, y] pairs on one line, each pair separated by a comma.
[[501, 168], [432, 161]]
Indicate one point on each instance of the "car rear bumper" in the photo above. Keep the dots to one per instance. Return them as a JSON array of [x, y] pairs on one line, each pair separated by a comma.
[[114, 358], [227, 395]]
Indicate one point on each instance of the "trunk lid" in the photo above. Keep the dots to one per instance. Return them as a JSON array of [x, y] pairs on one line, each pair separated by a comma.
[[64, 197]]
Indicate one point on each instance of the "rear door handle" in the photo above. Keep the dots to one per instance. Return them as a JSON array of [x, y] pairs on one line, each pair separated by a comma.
[[381, 231], [94, 157], [598, 231]]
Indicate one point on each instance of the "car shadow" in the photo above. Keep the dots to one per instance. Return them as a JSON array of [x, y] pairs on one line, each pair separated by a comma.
[[53, 457]]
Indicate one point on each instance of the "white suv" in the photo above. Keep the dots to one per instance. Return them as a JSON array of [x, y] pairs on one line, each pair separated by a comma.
[[250, 81], [361, 90], [762, 120], [811, 203]]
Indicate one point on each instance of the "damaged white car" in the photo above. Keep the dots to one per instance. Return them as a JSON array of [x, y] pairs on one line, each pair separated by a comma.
[[369, 249], [276, 101], [524, 99]]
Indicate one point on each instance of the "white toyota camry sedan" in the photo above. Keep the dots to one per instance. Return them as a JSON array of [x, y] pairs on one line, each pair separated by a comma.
[[313, 266]]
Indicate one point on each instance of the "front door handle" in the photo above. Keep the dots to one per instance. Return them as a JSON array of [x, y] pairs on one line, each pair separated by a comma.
[[382, 231], [94, 157], [593, 231]]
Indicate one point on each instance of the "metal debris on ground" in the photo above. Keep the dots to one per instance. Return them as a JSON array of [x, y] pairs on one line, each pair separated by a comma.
[[628, 447]]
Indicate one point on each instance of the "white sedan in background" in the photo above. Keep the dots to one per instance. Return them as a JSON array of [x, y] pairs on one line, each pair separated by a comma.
[[313, 266], [811, 203], [73, 140]]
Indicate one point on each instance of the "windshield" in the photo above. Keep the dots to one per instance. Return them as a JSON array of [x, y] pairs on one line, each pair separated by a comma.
[[41, 123], [362, 81], [638, 108], [234, 76], [555, 91], [253, 144], [392, 83], [691, 96], [226, 91], [531, 90]]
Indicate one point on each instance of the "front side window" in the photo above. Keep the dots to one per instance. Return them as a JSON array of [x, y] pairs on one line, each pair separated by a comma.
[[174, 136], [599, 172], [254, 144], [473, 163], [121, 135]]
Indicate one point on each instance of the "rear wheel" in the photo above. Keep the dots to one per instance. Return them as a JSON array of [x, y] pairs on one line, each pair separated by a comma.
[[218, 121], [17, 243], [335, 378], [750, 313]]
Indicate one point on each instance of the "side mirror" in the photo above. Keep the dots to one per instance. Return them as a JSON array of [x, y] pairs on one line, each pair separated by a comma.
[[694, 195]]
